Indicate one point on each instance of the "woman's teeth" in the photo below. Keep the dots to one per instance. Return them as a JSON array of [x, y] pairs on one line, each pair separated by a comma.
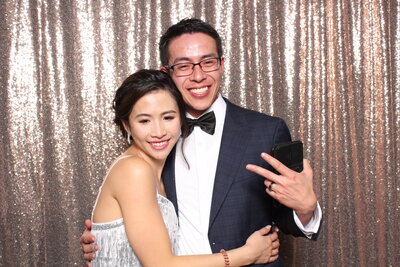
[[159, 143]]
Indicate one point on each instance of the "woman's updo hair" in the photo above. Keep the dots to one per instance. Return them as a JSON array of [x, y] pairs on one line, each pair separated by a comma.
[[139, 84]]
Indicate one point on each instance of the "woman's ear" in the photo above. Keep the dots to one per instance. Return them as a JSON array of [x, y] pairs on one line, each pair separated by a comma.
[[128, 132], [126, 127]]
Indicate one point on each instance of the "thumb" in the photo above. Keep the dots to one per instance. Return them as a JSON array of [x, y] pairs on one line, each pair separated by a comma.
[[265, 230], [88, 224], [307, 167]]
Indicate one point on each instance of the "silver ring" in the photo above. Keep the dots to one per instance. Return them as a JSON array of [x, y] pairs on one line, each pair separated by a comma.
[[270, 186]]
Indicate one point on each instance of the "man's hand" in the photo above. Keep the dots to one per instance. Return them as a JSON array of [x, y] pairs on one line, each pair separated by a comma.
[[87, 240], [290, 188]]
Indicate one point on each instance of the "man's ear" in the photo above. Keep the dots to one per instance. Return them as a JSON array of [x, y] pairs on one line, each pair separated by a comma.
[[222, 63], [164, 69]]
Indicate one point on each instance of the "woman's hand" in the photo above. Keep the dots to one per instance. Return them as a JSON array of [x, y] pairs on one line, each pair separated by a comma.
[[86, 241], [263, 245]]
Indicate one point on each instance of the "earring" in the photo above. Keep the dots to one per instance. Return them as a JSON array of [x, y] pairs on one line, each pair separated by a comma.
[[128, 138]]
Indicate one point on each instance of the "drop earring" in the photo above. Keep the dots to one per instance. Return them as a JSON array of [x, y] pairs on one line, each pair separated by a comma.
[[128, 138]]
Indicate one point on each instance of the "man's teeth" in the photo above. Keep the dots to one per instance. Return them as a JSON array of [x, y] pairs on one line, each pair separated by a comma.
[[159, 143], [199, 90]]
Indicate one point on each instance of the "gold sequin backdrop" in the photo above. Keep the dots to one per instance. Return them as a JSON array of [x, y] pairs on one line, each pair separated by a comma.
[[331, 69]]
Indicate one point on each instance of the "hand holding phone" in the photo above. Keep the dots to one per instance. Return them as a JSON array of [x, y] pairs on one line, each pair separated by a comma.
[[290, 154], [292, 189]]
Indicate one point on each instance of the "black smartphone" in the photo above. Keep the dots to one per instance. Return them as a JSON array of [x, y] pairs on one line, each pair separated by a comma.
[[290, 154]]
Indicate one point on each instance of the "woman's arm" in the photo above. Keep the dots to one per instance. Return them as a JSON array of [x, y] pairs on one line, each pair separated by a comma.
[[133, 185]]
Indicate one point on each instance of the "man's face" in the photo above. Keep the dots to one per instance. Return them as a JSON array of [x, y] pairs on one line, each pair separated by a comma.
[[200, 89]]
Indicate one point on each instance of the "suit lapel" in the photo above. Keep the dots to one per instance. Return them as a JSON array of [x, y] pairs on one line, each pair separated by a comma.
[[234, 139], [168, 176]]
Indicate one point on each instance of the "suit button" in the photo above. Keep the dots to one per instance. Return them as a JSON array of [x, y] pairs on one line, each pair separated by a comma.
[[213, 244]]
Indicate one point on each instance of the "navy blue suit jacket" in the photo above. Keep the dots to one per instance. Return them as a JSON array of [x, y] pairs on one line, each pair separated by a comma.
[[240, 204]]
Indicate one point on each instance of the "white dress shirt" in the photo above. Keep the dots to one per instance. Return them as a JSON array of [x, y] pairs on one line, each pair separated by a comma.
[[194, 185]]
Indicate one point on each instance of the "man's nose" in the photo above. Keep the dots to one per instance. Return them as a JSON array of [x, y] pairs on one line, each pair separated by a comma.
[[198, 74]]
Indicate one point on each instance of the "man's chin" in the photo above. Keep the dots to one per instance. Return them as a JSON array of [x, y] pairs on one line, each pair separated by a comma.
[[197, 111]]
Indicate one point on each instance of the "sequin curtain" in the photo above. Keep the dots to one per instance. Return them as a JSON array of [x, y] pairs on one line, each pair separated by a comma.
[[329, 68]]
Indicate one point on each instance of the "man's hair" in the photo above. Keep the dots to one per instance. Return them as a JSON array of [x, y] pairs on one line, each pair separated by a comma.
[[187, 26]]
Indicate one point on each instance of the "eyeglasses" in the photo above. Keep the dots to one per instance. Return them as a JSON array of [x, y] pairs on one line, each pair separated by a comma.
[[186, 69]]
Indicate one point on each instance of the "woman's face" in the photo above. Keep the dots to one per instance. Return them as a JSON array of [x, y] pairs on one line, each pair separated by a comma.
[[155, 124]]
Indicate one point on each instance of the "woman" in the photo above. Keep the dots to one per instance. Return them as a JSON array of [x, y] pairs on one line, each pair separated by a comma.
[[131, 210]]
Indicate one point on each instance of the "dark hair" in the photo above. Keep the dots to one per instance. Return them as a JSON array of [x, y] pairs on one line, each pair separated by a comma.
[[187, 26], [139, 84]]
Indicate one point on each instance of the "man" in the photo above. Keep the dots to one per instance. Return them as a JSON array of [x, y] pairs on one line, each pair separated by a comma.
[[219, 198]]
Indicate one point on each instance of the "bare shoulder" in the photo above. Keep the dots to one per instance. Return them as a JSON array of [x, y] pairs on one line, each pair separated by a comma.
[[131, 171]]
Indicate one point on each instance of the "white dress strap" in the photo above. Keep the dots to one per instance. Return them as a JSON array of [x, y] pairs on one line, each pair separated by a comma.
[[105, 177]]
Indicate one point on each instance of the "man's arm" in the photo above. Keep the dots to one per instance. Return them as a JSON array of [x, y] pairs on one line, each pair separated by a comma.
[[86, 241]]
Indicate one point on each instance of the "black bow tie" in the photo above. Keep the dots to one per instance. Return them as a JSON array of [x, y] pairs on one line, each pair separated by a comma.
[[205, 122]]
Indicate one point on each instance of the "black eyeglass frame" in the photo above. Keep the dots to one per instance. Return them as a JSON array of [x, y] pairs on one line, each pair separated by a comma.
[[194, 64]]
